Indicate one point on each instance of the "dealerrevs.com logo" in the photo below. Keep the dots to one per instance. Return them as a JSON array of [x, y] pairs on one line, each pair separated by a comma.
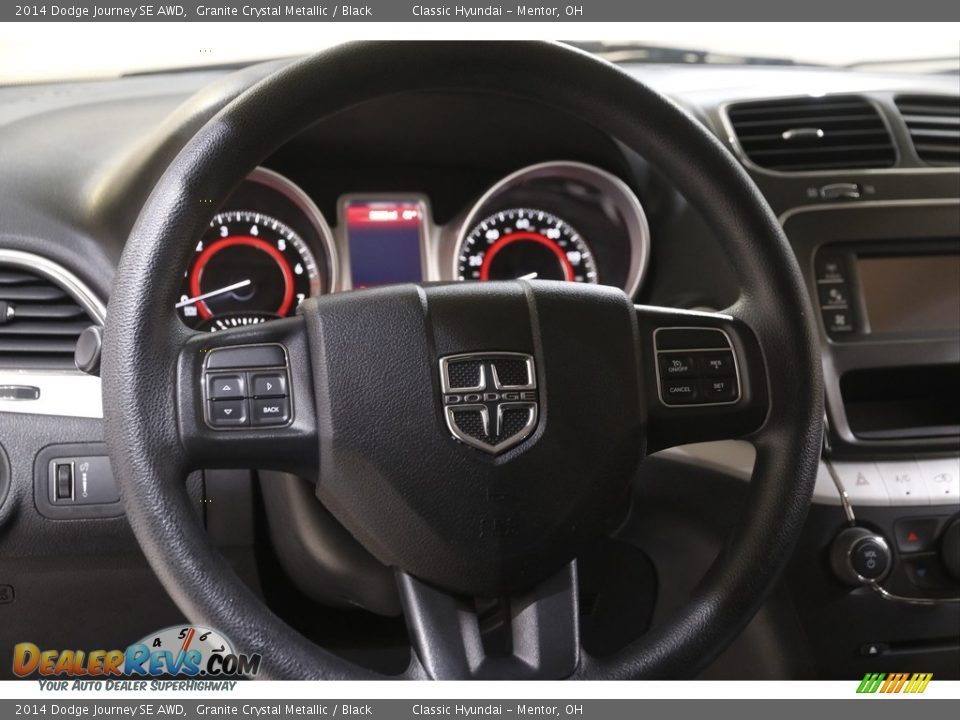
[[178, 651]]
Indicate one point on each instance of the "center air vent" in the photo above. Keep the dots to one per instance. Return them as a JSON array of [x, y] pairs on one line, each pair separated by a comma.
[[837, 132], [39, 321], [934, 125]]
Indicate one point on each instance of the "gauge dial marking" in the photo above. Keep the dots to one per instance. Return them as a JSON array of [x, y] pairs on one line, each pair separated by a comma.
[[525, 243]]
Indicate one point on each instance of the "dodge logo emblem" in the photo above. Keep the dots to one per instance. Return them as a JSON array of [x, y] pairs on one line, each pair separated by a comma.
[[489, 398]]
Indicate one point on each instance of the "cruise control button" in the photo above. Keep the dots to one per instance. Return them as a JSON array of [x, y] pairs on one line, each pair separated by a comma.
[[228, 413], [273, 384], [717, 364], [917, 534], [720, 389], [225, 387], [270, 411], [677, 365], [680, 392]]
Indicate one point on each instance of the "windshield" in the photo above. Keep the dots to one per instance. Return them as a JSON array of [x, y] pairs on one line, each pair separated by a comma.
[[50, 52]]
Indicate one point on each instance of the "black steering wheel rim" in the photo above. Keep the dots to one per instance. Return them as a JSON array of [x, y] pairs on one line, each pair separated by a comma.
[[143, 336]]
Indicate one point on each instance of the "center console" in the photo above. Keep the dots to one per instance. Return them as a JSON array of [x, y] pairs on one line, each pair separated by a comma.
[[877, 573]]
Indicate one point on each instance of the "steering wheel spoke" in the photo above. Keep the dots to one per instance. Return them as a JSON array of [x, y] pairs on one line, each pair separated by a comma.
[[705, 376], [530, 636], [245, 399]]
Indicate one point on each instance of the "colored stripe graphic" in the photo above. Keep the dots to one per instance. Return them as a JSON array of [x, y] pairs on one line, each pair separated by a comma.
[[914, 683]]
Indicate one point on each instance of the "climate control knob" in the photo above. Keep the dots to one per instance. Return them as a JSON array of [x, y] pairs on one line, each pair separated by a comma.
[[859, 556], [950, 549]]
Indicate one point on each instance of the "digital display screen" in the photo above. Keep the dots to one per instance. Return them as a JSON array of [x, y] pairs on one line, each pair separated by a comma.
[[909, 294], [384, 241]]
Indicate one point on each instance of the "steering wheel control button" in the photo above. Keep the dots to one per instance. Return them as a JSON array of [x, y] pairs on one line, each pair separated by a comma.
[[917, 534], [718, 364], [860, 556], [719, 389], [270, 411], [272, 384], [225, 387], [256, 393], [707, 367], [676, 365], [246, 356], [228, 413], [678, 392]]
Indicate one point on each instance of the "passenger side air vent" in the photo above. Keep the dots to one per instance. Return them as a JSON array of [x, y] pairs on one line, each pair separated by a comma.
[[934, 125], [39, 321], [827, 133]]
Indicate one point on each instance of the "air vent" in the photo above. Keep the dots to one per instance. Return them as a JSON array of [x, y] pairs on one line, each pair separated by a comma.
[[934, 125], [828, 133], [39, 321]]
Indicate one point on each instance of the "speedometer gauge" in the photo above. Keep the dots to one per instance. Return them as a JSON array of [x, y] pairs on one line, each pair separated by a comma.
[[525, 243], [247, 268]]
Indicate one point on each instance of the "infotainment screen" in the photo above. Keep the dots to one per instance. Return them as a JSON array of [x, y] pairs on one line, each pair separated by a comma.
[[384, 240], [910, 294]]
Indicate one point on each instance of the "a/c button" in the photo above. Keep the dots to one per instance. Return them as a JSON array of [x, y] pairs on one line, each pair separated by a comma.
[[270, 411]]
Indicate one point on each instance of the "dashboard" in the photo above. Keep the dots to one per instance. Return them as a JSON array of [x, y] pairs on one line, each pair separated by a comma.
[[270, 247], [441, 187]]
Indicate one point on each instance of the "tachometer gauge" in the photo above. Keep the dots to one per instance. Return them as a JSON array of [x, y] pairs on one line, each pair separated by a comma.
[[525, 243], [247, 268]]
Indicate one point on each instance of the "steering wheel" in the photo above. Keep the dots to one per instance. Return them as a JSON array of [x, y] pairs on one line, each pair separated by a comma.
[[475, 437]]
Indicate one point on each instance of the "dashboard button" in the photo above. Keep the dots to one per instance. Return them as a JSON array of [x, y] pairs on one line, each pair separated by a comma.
[[270, 411], [720, 389], [917, 534], [228, 413], [926, 573], [904, 483], [718, 364], [838, 321], [677, 365], [870, 558], [833, 295], [830, 269], [225, 387], [272, 384], [680, 392], [862, 483], [942, 477]]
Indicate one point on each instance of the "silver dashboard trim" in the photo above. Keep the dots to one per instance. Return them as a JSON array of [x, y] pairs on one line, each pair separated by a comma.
[[67, 393], [862, 204], [626, 202], [295, 194]]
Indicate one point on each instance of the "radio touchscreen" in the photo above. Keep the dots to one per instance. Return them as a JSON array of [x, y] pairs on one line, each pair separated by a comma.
[[910, 294]]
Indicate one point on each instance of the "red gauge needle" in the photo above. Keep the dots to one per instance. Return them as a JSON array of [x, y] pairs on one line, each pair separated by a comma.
[[213, 293]]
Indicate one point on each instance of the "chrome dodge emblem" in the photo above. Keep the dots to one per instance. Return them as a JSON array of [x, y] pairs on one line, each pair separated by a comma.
[[489, 398]]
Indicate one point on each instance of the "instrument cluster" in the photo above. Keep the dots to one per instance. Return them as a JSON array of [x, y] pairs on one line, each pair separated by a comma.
[[270, 247]]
